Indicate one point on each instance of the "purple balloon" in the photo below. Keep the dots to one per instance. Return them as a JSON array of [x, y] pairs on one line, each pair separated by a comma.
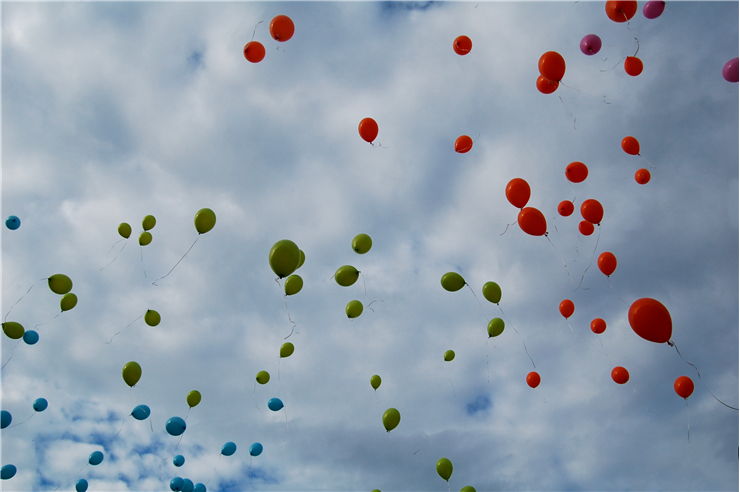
[[729, 71], [653, 9], [590, 44]]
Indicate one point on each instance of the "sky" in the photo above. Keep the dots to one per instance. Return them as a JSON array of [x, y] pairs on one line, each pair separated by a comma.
[[113, 111]]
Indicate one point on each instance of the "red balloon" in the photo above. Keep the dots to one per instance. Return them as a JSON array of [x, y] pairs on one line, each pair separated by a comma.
[[683, 386], [633, 66], [282, 28], [607, 263], [462, 45], [552, 66], [565, 208], [592, 211], [545, 85], [585, 227], [631, 145], [532, 221], [463, 143], [254, 51], [567, 308], [620, 375], [368, 129], [621, 11], [517, 192], [642, 176], [533, 379], [651, 320], [576, 172], [598, 325]]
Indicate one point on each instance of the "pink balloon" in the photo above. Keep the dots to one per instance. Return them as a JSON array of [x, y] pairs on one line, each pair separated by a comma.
[[590, 44], [653, 9], [729, 71]]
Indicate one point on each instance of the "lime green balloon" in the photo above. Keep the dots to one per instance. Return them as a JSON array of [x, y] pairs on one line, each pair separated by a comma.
[[205, 219], [391, 418], [148, 222], [375, 381], [452, 281], [444, 468], [13, 330], [60, 283], [449, 355], [353, 309], [263, 377], [284, 257], [145, 238], [293, 285], [152, 318], [492, 292], [468, 488], [375, 490], [68, 301], [302, 259], [131, 373], [193, 398], [124, 230], [495, 327], [287, 349], [362, 243], [346, 275]]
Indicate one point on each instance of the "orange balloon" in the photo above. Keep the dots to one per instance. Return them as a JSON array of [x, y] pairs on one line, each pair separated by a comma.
[[620, 375], [368, 129], [607, 263], [545, 85], [567, 308], [642, 176], [552, 66], [282, 28], [651, 320], [592, 211], [598, 325], [576, 172], [585, 227], [633, 66], [631, 145], [565, 208], [254, 51], [463, 143], [533, 379], [462, 45], [532, 221], [683, 386], [517, 192], [621, 11]]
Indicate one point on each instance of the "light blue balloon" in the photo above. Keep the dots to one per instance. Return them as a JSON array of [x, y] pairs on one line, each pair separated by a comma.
[[12, 222], [255, 449], [5, 419], [40, 404], [187, 485], [8, 472], [175, 426], [275, 404], [141, 412], [30, 337], [176, 483], [96, 457], [178, 460], [81, 485], [228, 449], [199, 487]]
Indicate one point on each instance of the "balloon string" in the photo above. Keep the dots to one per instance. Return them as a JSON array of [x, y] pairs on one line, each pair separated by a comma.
[[116, 256], [488, 368], [21, 422], [504, 315], [565, 106], [593, 256], [255, 29], [293, 323], [5, 318], [178, 262], [122, 329], [688, 422], [12, 353], [560, 257], [141, 258], [473, 292], [673, 344], [507, 227]]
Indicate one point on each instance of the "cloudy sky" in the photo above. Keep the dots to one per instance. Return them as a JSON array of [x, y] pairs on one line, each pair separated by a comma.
[[112, 111]]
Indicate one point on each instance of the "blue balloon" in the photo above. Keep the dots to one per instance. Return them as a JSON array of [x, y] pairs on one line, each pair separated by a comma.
[[40, 404], [8, 471], [5, 419], [178, 460], [141, 412], [31, 337], [12, 222], [228, 449], [275, 404], [255, 449], [175, 426], [187, 485], [81, 485], [199, 487], [176, 483], [96, 457]]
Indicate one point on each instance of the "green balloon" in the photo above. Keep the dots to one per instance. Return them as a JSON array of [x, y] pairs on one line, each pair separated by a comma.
[[353, 309], [124, 230], [68, 301], [468, 488], [449, 355], [375, 490], [391, 418], [346, 275], [205, 219], [302, 259], [284, 257], [193, 398], [444, 468], [152, 318], [452, 281], [492, 292], [293, 285], [131, 373], [148, 222], [145, 238], [13, 329], [375, 381], [495, 327], [263, 377], [362, 243], [286, 350], [60, 283]]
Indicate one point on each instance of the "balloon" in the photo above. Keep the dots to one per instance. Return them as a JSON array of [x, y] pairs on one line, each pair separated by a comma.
[[621, 11], [565, 208], [5, 419], [495, 327], [552, 66], [607, 263], [152, 317], [362, 243], [175, 426], [592, 211], [598, 325], [31, 337], [281, 28], [193, 398], [620, 375], [642, 176], [96, 457], [254, 51], [463, 144], [517, 192], [204, 220], [131, 373], [633, 66], [148, 222], [286, 350], [293, 285], [178, 460], [7, 472], [585, 227], [255, 449], [187, 485], [302, 258], [228, 449], [60, 283], [284, 257], [12, 222], [353, 309], [275, 404], [263, 377], [68, 301], [176, 483], [141, 412], [729, 72], [124, 229], [631, 145], [567, 308], [462, 45], [468, 488], [653, 9], [492, 292], [368, 129], [444, 468], [40, 404], [545, 85], [81, 485], [533, 379], [199, 487], [576, 172], [449, 355], [13, 329], [145, 238], [590, 44], [532, 221], [374, 382], [651, 320], [683, 386], [346, 275], [452, 281], [391, 419]]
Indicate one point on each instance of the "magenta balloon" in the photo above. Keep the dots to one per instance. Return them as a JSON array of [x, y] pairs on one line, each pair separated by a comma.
[[653, 9], [590, 44], [729, 71]]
